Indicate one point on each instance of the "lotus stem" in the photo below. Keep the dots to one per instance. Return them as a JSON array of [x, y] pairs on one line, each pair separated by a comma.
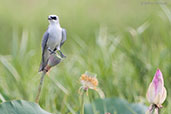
[[40, 87], [82, 100]]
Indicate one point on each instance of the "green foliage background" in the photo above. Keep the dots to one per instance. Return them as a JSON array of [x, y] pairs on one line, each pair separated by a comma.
[[124, 42]]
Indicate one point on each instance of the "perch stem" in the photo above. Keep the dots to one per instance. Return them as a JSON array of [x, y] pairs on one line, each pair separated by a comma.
[[40, 87], [82, 102]]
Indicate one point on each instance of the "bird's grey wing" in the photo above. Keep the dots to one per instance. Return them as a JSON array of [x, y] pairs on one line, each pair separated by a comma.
[[44, 53], [44, 41], [64, 37]]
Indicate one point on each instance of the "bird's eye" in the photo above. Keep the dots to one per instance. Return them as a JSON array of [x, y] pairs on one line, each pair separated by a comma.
[[54, 18]]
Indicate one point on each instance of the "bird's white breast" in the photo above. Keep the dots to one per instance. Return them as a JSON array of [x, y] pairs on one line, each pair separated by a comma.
[[55, 36]]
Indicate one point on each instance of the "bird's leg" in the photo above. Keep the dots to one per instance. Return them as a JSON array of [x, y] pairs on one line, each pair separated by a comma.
[[52, 51], [61, 54]]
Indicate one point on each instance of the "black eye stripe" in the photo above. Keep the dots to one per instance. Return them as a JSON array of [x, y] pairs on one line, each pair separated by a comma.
[[54, 18]]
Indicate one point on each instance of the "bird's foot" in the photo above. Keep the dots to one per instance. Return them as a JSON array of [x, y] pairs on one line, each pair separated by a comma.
[[51, 51], [61, 54]]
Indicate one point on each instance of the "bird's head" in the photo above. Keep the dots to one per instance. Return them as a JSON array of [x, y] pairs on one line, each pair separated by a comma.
[[53, 19]]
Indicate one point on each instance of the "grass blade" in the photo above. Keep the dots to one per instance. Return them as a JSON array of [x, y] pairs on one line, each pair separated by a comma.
[[2, 98], [10, 68]]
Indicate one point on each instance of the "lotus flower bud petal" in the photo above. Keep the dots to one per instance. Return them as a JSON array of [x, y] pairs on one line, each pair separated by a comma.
[[53, 60], [156, 93]]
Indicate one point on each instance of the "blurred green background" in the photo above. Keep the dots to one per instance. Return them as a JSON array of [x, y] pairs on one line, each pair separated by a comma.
[[123, 42]]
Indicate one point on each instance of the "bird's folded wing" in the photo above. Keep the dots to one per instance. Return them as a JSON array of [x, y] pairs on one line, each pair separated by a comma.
[[64, 36]]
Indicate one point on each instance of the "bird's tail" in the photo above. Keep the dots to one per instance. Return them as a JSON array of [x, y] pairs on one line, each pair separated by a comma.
[[42, 64], [41, 68]]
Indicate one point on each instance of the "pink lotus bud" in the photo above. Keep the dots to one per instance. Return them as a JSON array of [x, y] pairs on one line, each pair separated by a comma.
[[156, 93], [52, 61]]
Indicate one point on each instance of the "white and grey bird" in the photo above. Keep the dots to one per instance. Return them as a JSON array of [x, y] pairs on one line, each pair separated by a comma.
[[52, 40]]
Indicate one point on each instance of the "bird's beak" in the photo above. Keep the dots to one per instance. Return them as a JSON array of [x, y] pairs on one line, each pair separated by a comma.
[[49, 18]]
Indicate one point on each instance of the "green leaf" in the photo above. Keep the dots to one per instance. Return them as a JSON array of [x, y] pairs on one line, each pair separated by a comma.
[[21, 107], [139, 108], [114, 106]]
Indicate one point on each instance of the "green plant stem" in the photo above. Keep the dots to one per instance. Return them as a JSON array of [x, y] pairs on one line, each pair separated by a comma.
[[154, 109], [40, 87], [63, 104], [82, 102]]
